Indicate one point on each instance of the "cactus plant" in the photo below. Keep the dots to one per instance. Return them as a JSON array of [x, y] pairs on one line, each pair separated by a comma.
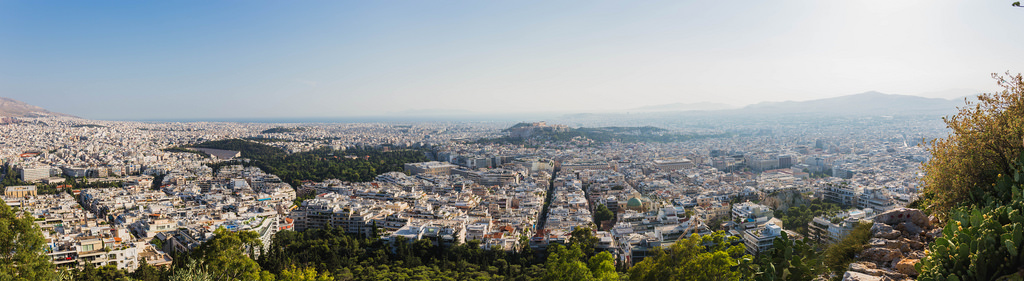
[[980, 243]]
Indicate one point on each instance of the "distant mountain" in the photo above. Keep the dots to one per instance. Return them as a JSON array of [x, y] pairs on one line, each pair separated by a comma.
[[683, 107], [433, 112], [13, 108], [869, 103]]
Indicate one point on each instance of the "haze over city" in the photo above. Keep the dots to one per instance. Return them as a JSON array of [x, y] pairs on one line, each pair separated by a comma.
[[122, 60], [511, 140]]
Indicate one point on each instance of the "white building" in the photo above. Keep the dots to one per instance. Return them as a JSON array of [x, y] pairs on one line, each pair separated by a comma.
[[32, 174], [761, 239]]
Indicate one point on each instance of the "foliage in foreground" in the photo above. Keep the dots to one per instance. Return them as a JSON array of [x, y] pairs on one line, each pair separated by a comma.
[[568, 264], [788, 260], [981, 243], [709, 257], [21, 248], [348, 257], [985, 140]]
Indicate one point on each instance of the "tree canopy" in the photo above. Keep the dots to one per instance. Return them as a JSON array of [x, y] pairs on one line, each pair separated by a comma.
[[22, 254], [229, 252], [602, 213], [318, 164], [709, 257], [569, 264]]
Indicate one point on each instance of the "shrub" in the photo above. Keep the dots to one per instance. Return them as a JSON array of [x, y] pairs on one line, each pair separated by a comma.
[[986, 140]]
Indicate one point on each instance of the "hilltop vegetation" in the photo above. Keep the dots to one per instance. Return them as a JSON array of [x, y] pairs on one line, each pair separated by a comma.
[[357, 165], [281, 130]]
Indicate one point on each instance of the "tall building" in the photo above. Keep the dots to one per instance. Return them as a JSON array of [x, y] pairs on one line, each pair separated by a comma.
[[842, 194], [31, 174], [785, 161]]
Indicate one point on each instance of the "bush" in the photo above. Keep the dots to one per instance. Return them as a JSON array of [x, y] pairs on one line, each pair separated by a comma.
[[986, 140]]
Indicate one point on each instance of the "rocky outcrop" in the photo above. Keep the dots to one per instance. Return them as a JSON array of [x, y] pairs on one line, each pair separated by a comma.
[[857, 276], [884, 231], [906, 266], [881, 255], [902, 215], [899, 238]]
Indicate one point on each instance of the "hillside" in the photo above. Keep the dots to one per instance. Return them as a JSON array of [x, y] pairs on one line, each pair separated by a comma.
[[14, 108], [869, 103]]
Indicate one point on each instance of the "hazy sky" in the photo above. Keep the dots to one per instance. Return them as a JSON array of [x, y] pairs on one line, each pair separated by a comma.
[[243, 59]]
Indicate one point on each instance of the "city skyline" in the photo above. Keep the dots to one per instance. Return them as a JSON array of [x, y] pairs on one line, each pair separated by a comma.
[[221, 60]]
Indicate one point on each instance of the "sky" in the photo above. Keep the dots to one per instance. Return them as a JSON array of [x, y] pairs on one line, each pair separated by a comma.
[[142, 60]]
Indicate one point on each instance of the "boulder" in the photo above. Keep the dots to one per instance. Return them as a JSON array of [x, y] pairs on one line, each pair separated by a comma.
[[892, 274], [889, 273], [915, 255], [909, 228], [913, 237], [900, 215], [914, 244], [882, 255], [857, 276], [882, 230], [868, 268], [877, 227], [903, 244], [878, 242], [906, 266]]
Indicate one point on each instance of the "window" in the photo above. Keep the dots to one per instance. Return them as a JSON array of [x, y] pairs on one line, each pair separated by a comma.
[[87, 248]]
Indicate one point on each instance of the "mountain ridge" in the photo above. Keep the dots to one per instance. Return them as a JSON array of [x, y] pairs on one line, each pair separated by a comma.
[[871, 102], [14, 108]]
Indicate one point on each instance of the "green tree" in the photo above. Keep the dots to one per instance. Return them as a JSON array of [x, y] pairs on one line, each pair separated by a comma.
[[585, 239], [193, 271], [305, 274], [566, 264], [227, 255], [145, 272], [602, 213], [697, 257], [985, 141], [22, 254], [709, 257], [602, 267]]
